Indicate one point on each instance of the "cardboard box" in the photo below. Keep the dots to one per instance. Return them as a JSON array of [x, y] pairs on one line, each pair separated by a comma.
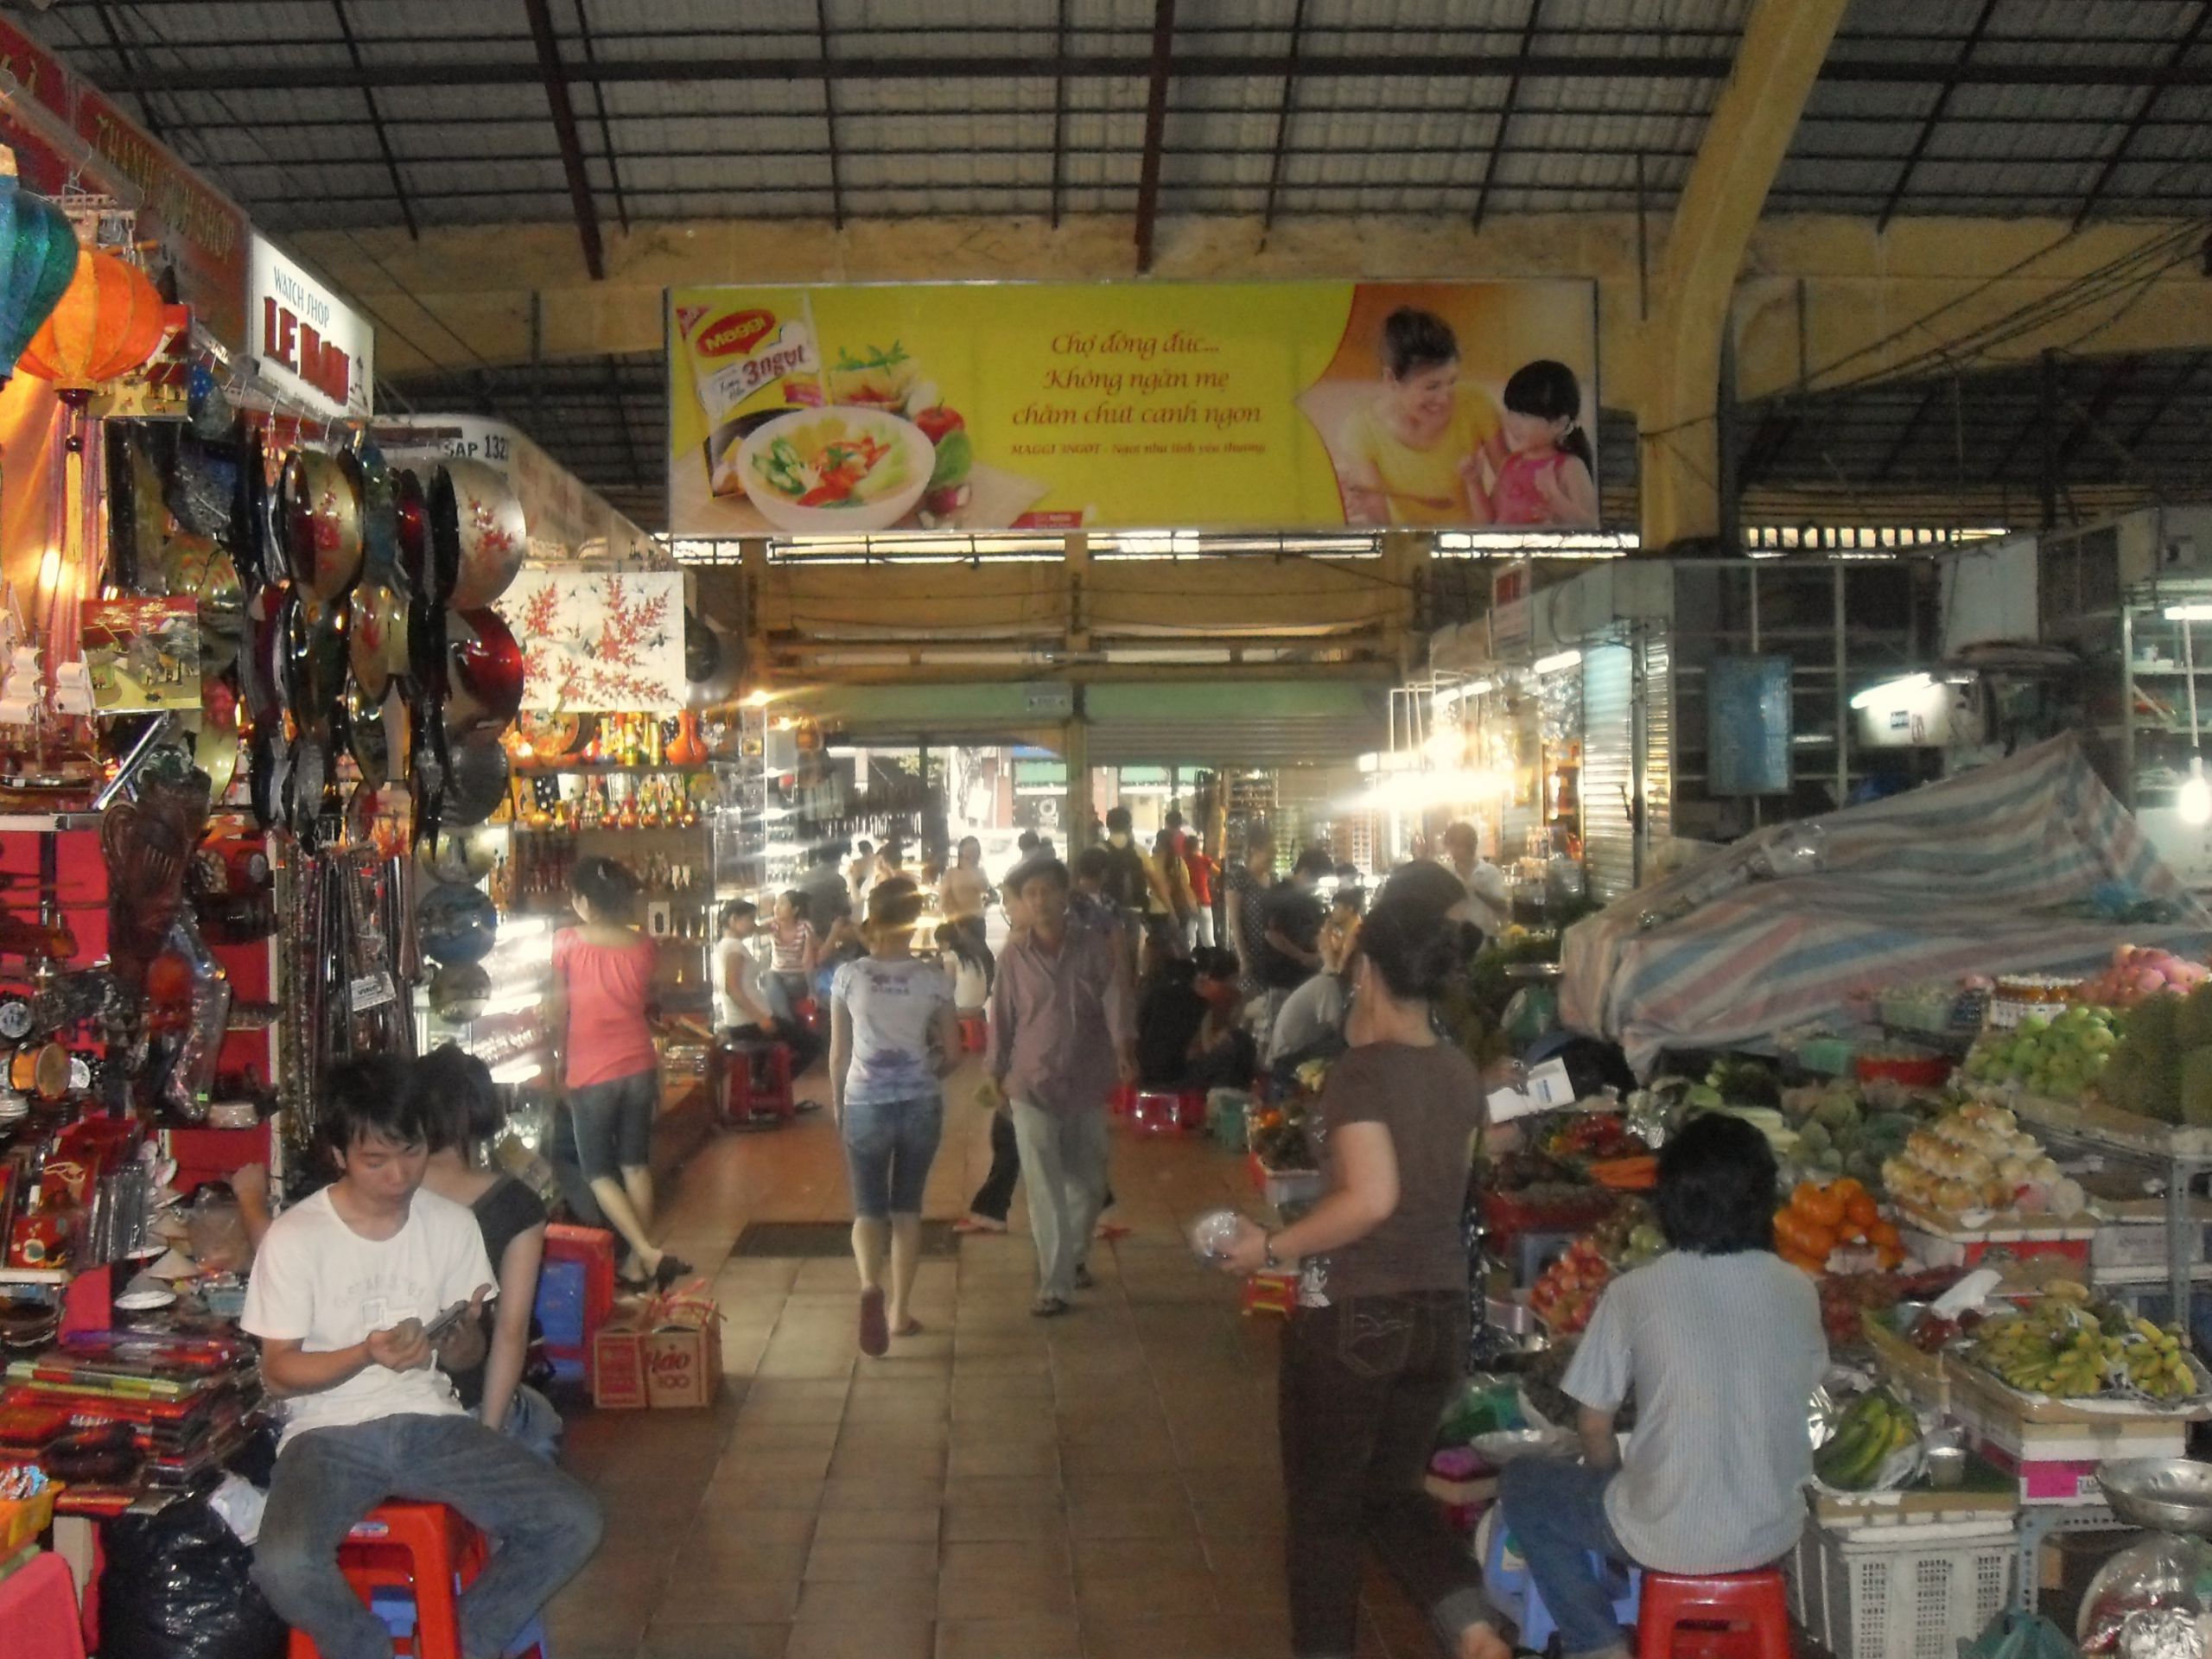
[[665, 1352], [2051, 1448]]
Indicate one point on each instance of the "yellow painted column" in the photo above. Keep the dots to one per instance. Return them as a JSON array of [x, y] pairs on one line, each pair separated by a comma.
[[1785, 42]]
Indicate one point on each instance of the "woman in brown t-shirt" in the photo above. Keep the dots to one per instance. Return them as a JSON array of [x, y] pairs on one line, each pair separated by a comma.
[[1374, 1351]]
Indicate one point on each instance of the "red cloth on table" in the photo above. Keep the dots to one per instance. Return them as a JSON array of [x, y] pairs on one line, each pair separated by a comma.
[[38, 1612]]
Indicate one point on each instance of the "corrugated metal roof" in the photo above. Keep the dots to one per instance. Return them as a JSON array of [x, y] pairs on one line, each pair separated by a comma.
[[2074, 108]]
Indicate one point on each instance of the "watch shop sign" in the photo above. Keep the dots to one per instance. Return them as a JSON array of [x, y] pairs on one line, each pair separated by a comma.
[[309, 343]]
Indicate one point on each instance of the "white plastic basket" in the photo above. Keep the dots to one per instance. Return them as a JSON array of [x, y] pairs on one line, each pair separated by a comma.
[[1901, 1592]]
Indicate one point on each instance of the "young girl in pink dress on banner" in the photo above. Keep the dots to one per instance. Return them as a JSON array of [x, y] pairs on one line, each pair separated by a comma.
[[1544, 475]]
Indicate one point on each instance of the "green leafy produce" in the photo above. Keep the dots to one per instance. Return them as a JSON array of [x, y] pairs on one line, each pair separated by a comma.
[[955, 459]]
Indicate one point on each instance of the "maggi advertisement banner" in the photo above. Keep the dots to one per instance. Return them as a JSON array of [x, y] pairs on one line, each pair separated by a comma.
[[1260, 406]]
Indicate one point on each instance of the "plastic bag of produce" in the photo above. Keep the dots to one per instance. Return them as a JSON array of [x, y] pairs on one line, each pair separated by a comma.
[[175, 1587], [2147, 1602], [1875, 1446]]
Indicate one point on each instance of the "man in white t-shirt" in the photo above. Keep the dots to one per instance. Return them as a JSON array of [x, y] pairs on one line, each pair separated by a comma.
[[343, 1288]]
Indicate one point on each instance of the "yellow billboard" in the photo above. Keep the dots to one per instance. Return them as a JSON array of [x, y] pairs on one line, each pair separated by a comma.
[[1255, 406]]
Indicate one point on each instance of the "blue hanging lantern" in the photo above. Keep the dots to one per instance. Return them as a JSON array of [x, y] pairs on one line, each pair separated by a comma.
[[38, 256]]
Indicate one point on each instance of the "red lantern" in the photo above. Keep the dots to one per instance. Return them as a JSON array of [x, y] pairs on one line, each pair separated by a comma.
[[110, 320]]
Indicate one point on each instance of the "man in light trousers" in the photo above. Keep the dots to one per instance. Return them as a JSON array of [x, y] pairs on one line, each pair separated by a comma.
[[1062, 1031]]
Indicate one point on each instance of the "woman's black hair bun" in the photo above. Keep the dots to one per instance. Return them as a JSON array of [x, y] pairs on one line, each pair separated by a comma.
[[1418, 950]]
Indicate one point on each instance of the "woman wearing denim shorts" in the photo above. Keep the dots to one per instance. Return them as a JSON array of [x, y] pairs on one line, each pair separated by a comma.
[[893, 1035], [603, 996]]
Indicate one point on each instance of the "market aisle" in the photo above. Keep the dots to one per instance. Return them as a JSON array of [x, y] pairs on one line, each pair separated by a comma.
[[1103, 1484]]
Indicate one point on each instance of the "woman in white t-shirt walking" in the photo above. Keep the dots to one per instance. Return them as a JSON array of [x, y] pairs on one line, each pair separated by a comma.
[[893, 1037]]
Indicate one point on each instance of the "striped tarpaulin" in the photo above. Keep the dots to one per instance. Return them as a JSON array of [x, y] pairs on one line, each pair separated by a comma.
[[1988, 873]]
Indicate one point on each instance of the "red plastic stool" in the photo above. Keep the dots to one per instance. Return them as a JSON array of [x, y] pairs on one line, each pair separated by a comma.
[[1123, 1100], [808, 1013], [1746, 1613], [1170, 1111], [975, 1033], [422, 1547], [745, 1092]]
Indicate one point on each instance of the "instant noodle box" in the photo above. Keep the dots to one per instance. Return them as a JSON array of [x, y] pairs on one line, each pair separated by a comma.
[[665, 1351]]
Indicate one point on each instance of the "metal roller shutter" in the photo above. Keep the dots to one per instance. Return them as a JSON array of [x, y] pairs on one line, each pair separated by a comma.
[[1244, 724], [1608, 770], [1657, 705]]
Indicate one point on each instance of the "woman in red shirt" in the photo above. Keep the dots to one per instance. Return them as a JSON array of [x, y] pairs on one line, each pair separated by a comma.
[[603, 974]]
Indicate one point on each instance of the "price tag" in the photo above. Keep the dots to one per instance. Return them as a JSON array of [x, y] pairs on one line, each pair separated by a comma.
[[372, 991]]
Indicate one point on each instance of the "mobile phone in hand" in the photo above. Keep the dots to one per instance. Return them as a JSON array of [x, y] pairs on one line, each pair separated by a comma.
[[436, 1329]]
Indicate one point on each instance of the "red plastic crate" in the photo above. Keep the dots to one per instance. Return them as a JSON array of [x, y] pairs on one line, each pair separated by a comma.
[[595, 1247]]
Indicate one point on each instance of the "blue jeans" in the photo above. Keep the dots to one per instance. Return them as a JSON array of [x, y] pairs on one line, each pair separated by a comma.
[[532, 1421], [1557, 1513], [545, 1526], [889, 1145]]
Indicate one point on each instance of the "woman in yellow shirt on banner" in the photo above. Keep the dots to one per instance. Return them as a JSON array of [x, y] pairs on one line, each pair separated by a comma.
[[1409, 457]]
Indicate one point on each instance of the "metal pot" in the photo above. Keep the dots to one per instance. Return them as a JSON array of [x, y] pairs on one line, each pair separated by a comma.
[[475, 507], [376, 639], [322, 517]]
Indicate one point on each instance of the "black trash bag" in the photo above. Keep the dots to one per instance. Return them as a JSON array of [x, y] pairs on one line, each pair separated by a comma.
[[175, 1587]]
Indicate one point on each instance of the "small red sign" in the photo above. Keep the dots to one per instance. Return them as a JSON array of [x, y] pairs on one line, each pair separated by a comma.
[[735, 334]]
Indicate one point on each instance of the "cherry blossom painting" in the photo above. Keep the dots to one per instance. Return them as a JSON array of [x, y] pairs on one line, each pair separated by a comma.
[[599, 642]]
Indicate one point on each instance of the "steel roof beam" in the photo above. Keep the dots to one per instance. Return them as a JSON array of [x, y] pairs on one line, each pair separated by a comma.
[[599, 101], [1061, 109], [258, 74], [127, 52], [1283, 111], [554, 73], [1529, 26], [2134, 128], [830, 114], [1935, 115], [1158, 72], [375, 120]]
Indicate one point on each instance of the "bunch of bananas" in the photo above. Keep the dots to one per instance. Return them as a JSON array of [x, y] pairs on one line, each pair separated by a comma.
[[2069, 1348], [1874, 1425], [2156, 1362]]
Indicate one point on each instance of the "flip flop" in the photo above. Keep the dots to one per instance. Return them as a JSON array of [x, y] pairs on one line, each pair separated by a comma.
[[1047, 1307], [1112, 1229], [671, 1269], [875, 1332], [973, 1225], [912, 1328]]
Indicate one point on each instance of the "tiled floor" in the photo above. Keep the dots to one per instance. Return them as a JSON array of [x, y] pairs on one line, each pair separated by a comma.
[[1000, 1487]]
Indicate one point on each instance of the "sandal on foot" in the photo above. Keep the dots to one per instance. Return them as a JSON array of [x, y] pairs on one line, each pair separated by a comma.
[[1083, 1280], [1047, 1307], [671, 1269], [913, 1327], [876, 1333], [978, 1224]]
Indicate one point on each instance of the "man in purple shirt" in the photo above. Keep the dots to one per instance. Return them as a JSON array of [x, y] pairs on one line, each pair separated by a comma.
[[1061, 1032]]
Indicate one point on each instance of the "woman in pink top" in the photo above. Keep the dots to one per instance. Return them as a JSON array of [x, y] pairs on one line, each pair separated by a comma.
[[603, 974]]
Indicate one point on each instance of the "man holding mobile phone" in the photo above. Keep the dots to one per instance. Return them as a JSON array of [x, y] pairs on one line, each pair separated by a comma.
[[344, 1289]]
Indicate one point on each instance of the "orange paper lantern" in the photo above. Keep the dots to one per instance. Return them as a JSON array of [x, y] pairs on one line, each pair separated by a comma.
[[110, 320]]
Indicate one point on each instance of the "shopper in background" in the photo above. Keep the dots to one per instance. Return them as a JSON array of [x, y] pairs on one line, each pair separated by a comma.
[[1490, 897], [1338, 925], [1246, 883], [894, 1037], [994, 1201], [344, 1286], [791, 946], [1169, 906], [603, 1003], [970, 966], [1721, 1344], [827, 896], [1199, 870], [965, 892], [861, 872], [1291, 940], [750, 1009], [461, 1105], [1128, 880], [1376, 1349], [1310, 1022], [1061, 1033]]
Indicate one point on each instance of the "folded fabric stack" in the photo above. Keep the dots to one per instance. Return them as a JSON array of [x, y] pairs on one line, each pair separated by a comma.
[[112, 1408]]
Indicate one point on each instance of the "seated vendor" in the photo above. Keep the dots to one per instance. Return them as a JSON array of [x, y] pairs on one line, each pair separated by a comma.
[[1721, 1344], [342, 1290], [1187, 1031]]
